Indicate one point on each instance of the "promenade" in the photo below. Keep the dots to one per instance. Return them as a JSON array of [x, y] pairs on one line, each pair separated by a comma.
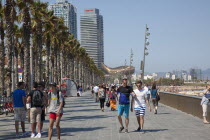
[[83, 120]]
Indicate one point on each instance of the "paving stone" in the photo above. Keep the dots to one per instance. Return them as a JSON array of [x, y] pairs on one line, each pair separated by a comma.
[[83, 120]]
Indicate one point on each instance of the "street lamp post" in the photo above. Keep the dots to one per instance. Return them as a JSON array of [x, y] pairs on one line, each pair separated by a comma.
[[146, 43], [131, 60]]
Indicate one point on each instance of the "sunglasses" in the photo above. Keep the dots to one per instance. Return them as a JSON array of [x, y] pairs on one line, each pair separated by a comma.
[[138, 85]]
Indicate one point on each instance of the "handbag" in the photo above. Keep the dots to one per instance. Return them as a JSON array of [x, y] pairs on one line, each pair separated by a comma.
[[157, 97], [108, 103]]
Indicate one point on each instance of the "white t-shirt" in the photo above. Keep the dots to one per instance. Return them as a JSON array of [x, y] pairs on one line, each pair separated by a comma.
[[146, 88], [139, 100], [95, 89]]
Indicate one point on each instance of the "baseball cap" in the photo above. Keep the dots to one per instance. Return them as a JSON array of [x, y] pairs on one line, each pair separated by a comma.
[[125, 78]]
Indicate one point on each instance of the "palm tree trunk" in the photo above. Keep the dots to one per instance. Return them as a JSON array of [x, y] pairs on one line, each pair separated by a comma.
[[39, 54], [22, 62], [10, 43], [72, 68], [35, 61], [16, 71], [48, 60], [26, 40], [2, 56], [55, 66], [59, 66]]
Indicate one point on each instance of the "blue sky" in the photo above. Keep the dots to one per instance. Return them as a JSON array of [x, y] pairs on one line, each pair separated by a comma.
[[180, 32]]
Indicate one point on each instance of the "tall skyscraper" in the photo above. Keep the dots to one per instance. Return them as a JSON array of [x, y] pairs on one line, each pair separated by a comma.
[[92, 38], [68, 12]]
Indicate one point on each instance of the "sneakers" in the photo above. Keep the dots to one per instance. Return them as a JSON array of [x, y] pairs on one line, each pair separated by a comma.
[[25, 134], [32, 135], [17, 136], [142, 131], [38, 135], [155, 112], [126, 130], [138, 129], [120, 130]]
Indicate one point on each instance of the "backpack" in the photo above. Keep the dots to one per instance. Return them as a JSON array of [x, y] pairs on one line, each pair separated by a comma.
[[58, 97], [37, 98], [102, 94]]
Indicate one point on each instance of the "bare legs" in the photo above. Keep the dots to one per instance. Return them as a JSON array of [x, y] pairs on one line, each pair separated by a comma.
[[17, 127], [57, 123], [126, 121], [138, 120], [23, 126], [142, 121], [58, 127], [120, 120], [50, 129], [205, 108], [155, 105]]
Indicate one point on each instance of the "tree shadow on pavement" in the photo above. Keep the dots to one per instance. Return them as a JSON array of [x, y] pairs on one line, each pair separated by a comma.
[[67, 131], [162, 113], [84, 117], [83, 110]]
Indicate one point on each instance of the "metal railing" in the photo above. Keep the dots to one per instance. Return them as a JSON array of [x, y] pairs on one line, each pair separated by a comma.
[[186, 103]]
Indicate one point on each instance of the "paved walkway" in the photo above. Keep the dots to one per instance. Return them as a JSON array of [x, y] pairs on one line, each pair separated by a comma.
[[83, 120]]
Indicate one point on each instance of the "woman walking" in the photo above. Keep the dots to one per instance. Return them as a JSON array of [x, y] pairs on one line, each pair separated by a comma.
[[204, 102], [112, 98], [154, 94], [101, 95]]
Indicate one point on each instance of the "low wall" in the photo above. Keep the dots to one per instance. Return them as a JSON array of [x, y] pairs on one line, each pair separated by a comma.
[[185, 103]]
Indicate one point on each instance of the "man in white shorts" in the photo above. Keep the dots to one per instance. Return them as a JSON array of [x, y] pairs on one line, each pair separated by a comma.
[[138, 103]]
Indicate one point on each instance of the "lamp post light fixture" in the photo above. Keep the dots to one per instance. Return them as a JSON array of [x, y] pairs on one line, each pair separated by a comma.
[[131, 61], [146, 43]]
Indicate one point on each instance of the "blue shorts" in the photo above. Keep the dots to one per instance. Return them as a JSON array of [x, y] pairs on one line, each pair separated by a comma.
[[123, 108]]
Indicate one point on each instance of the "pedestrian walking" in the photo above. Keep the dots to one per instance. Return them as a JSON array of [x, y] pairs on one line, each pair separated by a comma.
[[154, 96], [95, 89], [41, 87], [36, 98], [205, 102], [148, 90], [92, 92], [112, 98], [124, 103], [80, 90], [102, 97], [139, 104], [19, 104], [56, 103]]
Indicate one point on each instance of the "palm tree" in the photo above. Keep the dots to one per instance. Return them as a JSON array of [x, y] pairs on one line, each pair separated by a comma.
[[17, 50], [10, 14], [2, 49], [25, 16], [49, 19], [38, 10]]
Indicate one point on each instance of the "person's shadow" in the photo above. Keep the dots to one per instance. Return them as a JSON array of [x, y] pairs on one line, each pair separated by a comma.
[[151, 130]]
